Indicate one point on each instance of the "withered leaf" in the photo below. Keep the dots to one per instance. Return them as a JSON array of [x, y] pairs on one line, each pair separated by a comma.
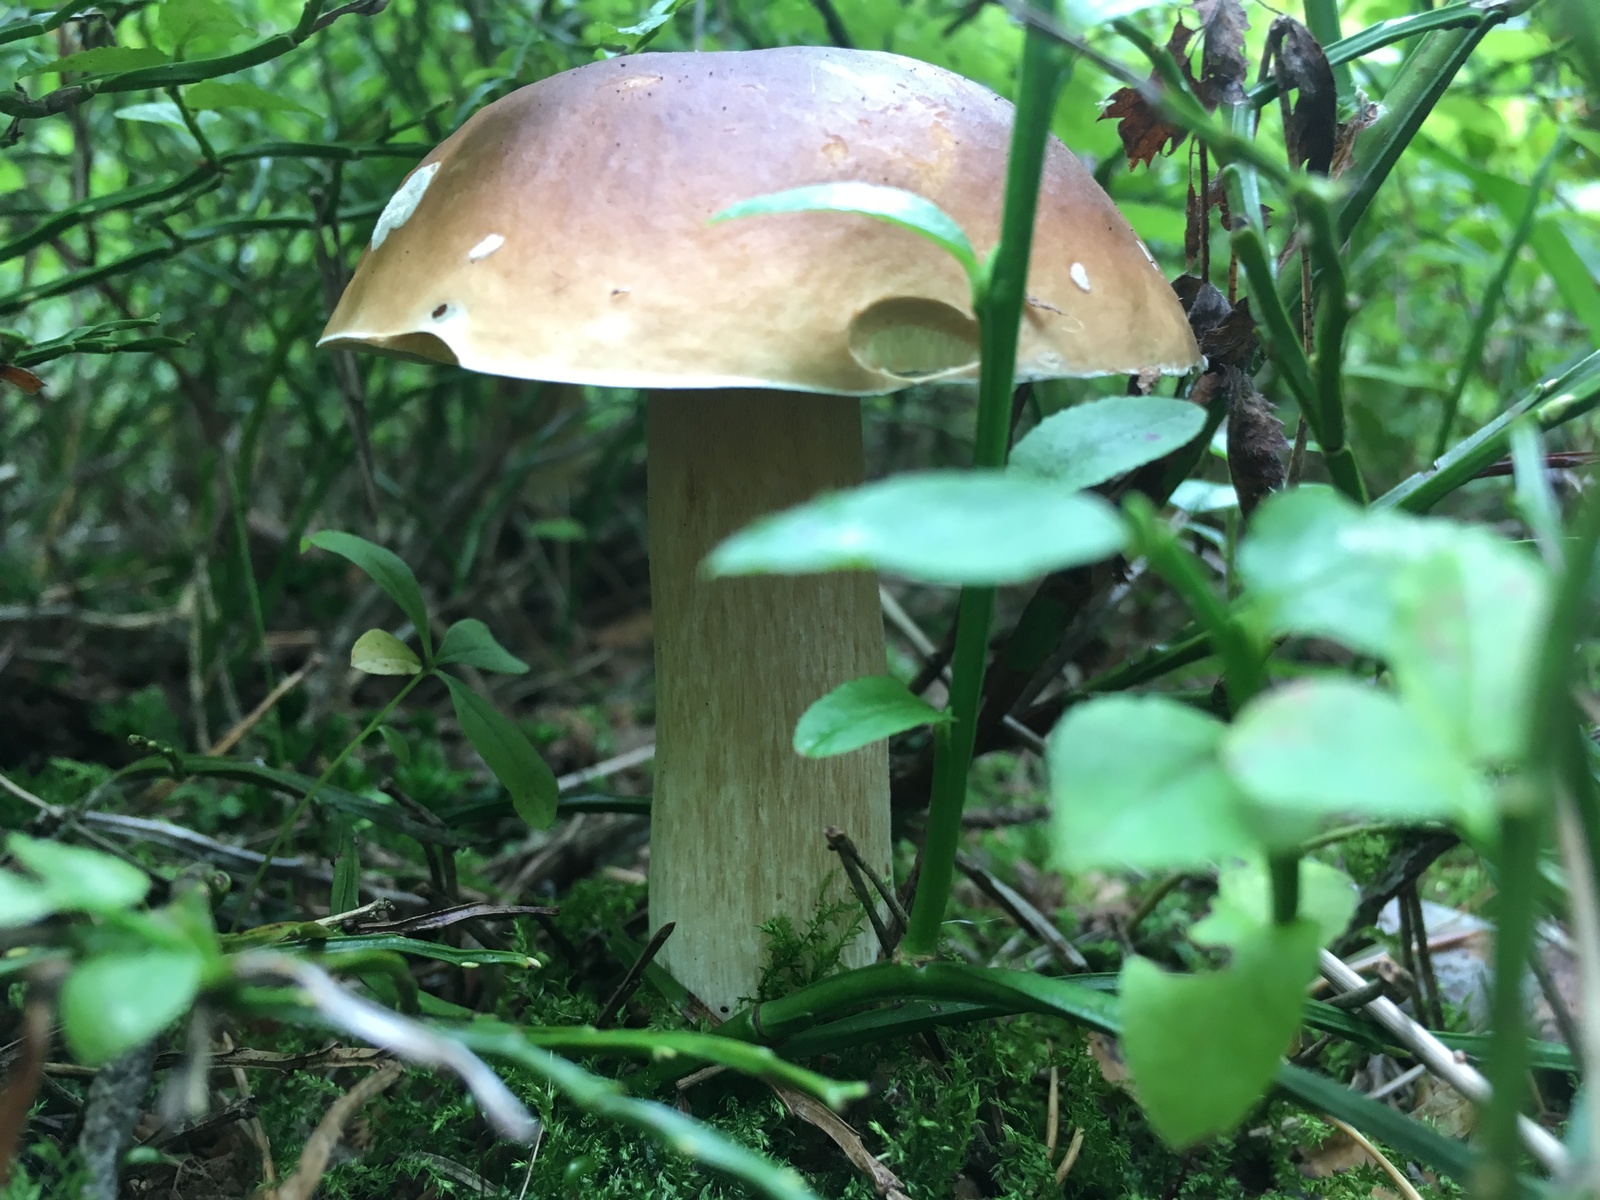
[[1232, 341], [24, 379], [1256, 444], [1145, 132], [1223, 67], [1344, 146], [1299, 66]]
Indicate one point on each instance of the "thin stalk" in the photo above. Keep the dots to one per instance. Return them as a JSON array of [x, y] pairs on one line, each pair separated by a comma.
[[999, 309], [258, 620], [1333, 319], [299, 810], [1284, 871], [1472, 356]]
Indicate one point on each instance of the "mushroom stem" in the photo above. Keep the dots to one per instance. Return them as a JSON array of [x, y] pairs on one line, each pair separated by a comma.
[[737, 817]]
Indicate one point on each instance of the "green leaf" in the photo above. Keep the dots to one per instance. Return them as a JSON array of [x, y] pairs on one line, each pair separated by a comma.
[[1202, 1049], [1468, 620], [948, 527], [558, 529], [1335, 746], [238, 93], [379, 652], [80, 880], [893, 205], [387, 571], [22, 901], [396, 741], [470, 643], [1326, 568], [180, 23], [104, 60], [1135, 782], [1087, 444], [1243, 906], [345, 894], [860, 712], [153, 112], [117, 1001], [507, 753]]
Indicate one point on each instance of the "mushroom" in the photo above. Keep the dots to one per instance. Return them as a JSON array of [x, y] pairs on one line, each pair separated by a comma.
[[563, 234]]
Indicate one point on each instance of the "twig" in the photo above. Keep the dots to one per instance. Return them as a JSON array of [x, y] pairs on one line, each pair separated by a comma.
[[1070, 1158], [630, 981], [1023, 912], [861, 876], [1393, 1172], [818, 1115], [1439, 1059], [307, 1177]]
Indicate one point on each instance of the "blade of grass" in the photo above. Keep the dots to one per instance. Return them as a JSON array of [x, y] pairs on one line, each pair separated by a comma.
[[1489, 308]]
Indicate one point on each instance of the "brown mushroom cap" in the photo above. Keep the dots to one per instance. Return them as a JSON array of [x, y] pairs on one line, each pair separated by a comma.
[[562, 234]]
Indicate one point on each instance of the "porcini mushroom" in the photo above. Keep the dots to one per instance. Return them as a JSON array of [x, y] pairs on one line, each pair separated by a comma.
[[563, 233]]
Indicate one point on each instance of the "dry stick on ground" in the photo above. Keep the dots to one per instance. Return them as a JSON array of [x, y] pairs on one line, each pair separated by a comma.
[[257, 1131], [1023, 912], [820, 1116], [1443, 1062], [1070, 1158], [302, 1185], [630, 981], [864, 881], [1393, 1172]]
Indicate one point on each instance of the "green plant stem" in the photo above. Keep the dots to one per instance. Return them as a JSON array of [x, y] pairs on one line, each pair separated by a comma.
[[1284, 871], [1472, 356], [1568, 396], [299, 810], [1333, 319], [999, 310]]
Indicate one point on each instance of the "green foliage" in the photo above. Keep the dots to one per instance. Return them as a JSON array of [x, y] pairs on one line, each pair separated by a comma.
[[859, 712]]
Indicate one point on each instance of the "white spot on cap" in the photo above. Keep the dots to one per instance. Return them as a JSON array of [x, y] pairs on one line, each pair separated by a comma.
[[1080, 276], [486, 247], [403, 203]]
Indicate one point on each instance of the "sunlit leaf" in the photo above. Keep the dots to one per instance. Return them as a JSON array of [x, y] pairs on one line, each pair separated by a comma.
[[950, 527], [103, 60], [379, 652], [1087, 444], [860, 712], [117, 1001], [80, 880]]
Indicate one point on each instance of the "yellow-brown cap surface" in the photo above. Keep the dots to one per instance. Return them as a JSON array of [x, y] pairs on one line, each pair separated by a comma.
[[562, 234]]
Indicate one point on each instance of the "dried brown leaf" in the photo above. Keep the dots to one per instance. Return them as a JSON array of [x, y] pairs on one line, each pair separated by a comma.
[[1256, 444], [1299, 66], [1223, 66], [24, 379], [1145, 132]]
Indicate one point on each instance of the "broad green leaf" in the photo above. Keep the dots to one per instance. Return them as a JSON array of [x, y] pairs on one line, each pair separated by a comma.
[[153, 112], [948, 527], [387, 571], [1135, 782], [1243, 906], [80, 880], [470, 643], [379, 652], [180, 24], [1199, 496], [1334, 746], [508, 753], [396, 741], [1468, 620], [104, 60], [1202, 1049], [115, 1002], [1326, 568], [238, 93], [894, 205], [1087, 444], [22, 901], [860, 712]]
